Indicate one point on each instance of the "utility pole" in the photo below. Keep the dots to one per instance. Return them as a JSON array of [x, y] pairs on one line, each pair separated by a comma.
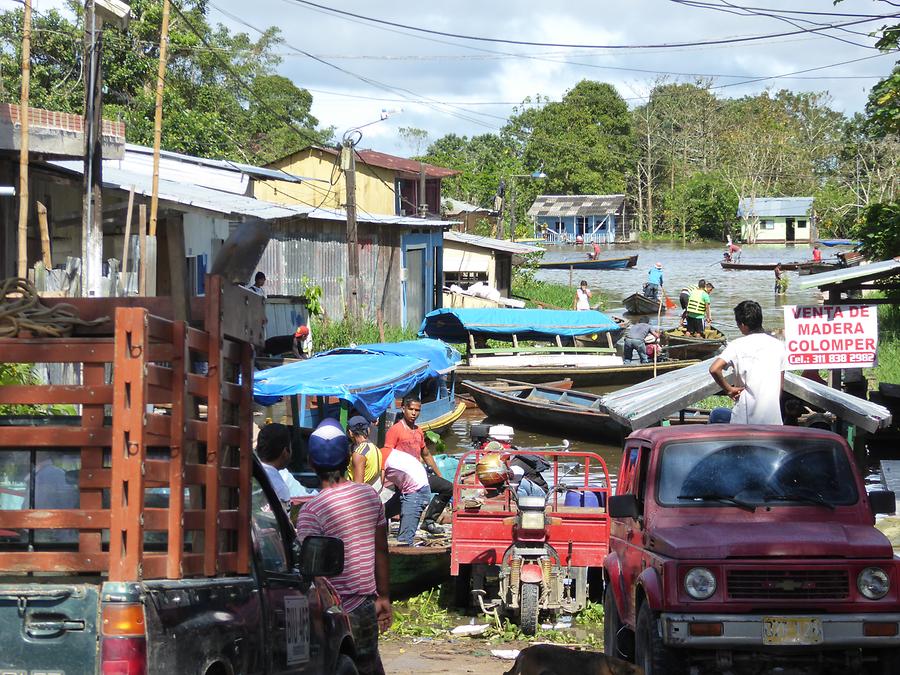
[[92, 211], [423, 205], [157, 118], [22, 269], [348, 164], [512, 211]]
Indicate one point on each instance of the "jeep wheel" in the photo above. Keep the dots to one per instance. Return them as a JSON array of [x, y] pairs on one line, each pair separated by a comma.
[[528, 608], [615, 643], [650, 652], [345, 666]]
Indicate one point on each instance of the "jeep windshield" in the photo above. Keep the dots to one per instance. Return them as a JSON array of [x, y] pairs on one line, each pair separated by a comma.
[[780, 472]]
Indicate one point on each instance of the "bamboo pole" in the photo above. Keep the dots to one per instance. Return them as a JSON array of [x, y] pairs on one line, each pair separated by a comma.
[[142, 223], [23, 147], [45, 236], [157, 121], [126, 246]]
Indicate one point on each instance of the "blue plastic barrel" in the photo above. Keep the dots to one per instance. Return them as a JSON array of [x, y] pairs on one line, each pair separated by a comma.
[[586, 498]]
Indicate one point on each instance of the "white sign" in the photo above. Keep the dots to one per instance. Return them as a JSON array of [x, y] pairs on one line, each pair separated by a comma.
[[296, 628], [831, 336]]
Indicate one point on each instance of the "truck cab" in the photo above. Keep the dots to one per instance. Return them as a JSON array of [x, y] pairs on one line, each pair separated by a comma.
[[739, 547]]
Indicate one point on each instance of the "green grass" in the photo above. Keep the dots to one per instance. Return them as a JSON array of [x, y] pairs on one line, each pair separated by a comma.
[[888, 368], [718, 401], [555, 296], [331, 334]]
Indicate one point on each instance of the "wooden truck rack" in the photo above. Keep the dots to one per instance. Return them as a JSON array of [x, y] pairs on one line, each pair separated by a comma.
[[157, 364]]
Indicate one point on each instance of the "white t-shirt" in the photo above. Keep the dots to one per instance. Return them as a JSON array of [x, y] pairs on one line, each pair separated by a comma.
[[583, 299], [758, 360], [405, 472], [278, 484]]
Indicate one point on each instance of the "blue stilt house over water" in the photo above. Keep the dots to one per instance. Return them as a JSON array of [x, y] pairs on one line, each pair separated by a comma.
[[570, 219]]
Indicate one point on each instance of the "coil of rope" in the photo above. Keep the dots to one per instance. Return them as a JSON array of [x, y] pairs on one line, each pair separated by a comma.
[[21, 310]]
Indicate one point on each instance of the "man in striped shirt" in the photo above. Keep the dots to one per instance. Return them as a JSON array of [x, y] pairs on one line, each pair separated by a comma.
[[352, 512]]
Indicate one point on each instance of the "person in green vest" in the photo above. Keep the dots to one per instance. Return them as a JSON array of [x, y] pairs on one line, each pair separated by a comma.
[[698, 310]]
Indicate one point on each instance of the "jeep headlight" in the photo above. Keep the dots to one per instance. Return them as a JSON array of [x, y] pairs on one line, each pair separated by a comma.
[[700, 583], [873, 583], [531, 520]]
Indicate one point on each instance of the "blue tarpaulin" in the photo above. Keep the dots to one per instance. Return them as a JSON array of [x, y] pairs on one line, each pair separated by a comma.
[[442, 357], [454, 325], [368, 382]]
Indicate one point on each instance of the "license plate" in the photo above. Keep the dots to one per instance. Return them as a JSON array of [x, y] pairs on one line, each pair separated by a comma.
[[782, 630]]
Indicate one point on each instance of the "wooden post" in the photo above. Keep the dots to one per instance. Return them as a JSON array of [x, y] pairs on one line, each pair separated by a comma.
[[22, 269], [178, 283], [380, 318], [46, 256], [142, 224], [157, 119], [126, 246], [92, 199], [348, 163]]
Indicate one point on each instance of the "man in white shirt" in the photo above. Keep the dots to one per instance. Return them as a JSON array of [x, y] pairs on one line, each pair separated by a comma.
[[258, 282], [758, 360], [273, 447]]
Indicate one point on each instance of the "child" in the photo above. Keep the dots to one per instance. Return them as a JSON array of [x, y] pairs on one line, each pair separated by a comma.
[[582, 296]]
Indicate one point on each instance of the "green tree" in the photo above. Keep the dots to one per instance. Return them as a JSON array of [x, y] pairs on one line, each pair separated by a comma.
[[705, 206]]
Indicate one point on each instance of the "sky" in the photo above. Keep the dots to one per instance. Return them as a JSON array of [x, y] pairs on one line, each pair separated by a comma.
[[451, 85]]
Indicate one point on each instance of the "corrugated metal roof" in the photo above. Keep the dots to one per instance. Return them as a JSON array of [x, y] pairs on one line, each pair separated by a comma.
[[860, 273], [490, 243], [576, 205], [384, 161], [219, 201], [456, 206], [774, 207]]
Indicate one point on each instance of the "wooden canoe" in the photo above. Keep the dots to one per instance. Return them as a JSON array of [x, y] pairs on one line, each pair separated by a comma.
[[637, 303], [573, 414], [763, 267], [599, 339], [414, 569], [602, 376], [469, 400], [587, 264], [682, 345]]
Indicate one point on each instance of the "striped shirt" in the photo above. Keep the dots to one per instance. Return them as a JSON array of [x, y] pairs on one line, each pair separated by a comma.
[[351, 512]]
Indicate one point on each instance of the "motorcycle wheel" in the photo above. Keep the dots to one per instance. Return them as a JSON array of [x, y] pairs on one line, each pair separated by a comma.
[[528, 608]]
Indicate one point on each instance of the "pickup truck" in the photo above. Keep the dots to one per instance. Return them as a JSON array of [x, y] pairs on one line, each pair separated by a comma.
[[740, 548], [138, 532]]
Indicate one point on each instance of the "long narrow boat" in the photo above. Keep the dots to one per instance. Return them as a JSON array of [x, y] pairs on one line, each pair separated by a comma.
[[838, 242], [587, 264], [762, 267], [679, 343], [546, 355], [819, 268], [469, 400], [637, 303], [574, 414]]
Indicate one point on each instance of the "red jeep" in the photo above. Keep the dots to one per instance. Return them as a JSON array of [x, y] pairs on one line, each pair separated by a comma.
[[748, 547]]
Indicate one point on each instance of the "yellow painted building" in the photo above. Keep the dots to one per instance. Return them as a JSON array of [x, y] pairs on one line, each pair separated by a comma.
[[385, 184]]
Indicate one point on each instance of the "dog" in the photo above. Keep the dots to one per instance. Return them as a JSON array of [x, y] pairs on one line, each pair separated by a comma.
[[555, 660]]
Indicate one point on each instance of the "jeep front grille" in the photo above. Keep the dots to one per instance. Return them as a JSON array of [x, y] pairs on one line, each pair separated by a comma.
[[790, 584]]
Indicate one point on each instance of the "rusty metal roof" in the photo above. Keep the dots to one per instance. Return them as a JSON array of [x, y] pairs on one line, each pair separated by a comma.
[[576, 205], [384, 161]]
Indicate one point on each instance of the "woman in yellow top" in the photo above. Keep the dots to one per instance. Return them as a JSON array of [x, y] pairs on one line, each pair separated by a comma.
[[365, 460]]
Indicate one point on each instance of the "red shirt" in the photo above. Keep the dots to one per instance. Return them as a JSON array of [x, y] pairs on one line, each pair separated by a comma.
[[351, 512], [817, 255], [402, 437]]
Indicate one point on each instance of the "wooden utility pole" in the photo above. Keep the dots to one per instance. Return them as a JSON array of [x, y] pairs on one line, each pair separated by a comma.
[[157, 120], [423, 204], [127, 244], [22, 269], [46, 256], [92, 207], [142, 224], [348, 164]]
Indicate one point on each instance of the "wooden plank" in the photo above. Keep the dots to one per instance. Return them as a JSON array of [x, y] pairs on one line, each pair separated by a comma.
[[44, 519], [175, 523], [233, 393], [159, 376], [230, 435], [157, 425], [242, 312], [196, 430], [56, 350], [160, 328], [232, 351], [53, 561], [94, 308], [126, 532], [56, 394], [230, 476], [215, 419], [242, 564], [92, 416], [198, 340], [45, 236], [54, 437]]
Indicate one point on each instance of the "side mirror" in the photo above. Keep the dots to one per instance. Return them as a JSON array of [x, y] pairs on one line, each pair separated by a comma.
[[883, 501], [623, 506], [321, 557]]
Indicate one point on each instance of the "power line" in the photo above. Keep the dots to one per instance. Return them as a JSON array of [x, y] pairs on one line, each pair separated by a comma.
[[528, 43]]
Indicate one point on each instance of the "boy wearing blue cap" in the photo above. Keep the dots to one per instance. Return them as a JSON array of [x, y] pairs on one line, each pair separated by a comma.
[[352, 512]]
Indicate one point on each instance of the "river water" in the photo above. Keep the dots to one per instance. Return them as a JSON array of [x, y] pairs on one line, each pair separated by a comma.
[[682, 266]]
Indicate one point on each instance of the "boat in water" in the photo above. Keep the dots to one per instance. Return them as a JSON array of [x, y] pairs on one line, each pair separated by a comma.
[[587, 264], [678, 341], [638, 303], [766, 266], [540, 346]]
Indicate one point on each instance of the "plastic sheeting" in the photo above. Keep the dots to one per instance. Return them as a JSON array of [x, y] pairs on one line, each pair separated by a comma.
[[368, 382], [441, 357], [454, 325]]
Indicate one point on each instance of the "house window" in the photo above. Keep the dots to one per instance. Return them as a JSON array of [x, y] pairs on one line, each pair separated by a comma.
[[801, 224], [464, 278], [767, 224]]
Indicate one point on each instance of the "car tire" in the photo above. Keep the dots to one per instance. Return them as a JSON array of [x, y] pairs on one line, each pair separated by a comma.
[[528, 608], [615, 642], [462, 588], [888, 662], [345, 666], [651, 653]]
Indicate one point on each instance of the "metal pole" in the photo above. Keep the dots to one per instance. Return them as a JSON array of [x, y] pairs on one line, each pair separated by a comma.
[[22, 269], [348, 164], [512, 210], [157, 118]]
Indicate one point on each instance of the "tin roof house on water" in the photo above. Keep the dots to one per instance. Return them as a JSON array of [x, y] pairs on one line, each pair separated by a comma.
[[777, 220], [561, 219]]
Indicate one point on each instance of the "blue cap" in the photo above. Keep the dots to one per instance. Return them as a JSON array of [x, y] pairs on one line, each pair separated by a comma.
[[328, 445], [720, 416]]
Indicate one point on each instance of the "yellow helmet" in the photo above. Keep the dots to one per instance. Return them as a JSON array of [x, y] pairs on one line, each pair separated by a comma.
[[491, 470]]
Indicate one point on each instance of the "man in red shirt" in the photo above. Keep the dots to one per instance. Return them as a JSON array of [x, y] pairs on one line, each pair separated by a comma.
[[352, 512], [405, 435]]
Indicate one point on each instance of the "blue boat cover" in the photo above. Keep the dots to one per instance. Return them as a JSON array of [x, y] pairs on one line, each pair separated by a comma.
[[370, 383], [442, 357], [454, 325]]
